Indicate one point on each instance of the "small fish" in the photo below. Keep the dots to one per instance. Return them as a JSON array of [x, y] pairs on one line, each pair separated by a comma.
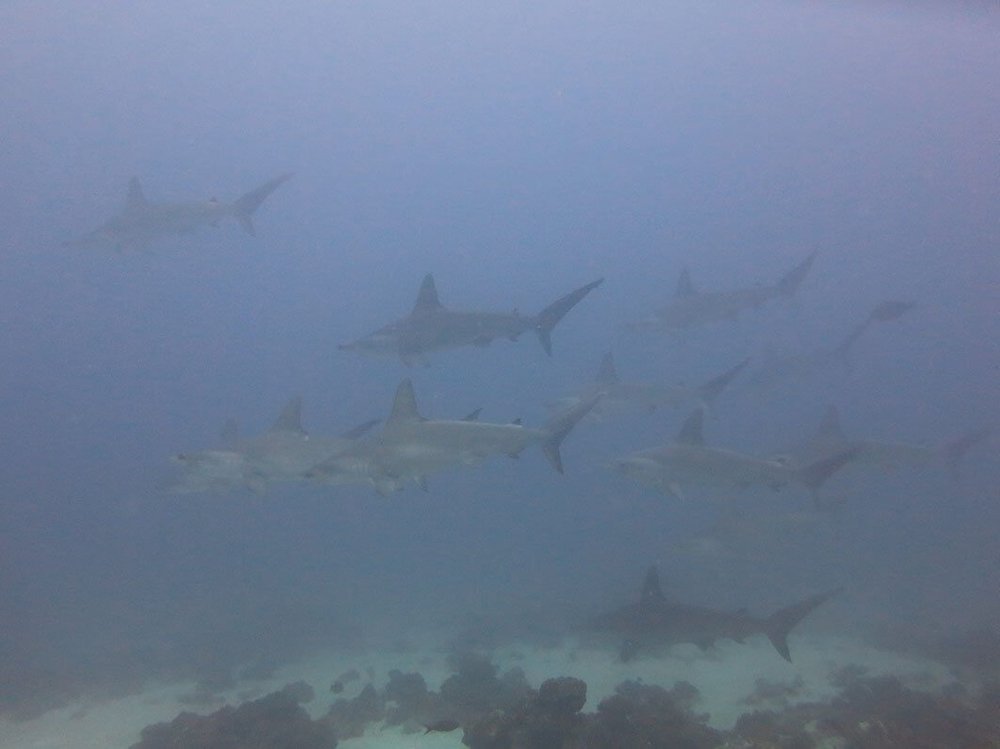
[[444, 725]]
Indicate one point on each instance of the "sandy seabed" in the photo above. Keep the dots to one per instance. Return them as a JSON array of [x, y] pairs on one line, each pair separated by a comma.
[[725, 677]]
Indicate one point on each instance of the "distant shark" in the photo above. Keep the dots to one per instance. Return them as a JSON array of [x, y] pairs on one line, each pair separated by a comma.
[[430, 326], [412, 447], [142, 222], [691, 308], [655, 620], [285, 452], [688, 459], [648, 396], [830, 439], [775, 369]]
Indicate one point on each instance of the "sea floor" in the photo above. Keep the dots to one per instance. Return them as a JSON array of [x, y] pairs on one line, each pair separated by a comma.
[[725, 676]]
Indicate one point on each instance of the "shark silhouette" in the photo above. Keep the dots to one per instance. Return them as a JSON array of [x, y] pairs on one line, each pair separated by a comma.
[[142, 222], [655, 620], [431, 326]]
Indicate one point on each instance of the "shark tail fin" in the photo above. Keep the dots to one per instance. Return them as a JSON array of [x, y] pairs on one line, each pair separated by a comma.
[[246, 204], [549, 317], [782, 622], [711, 389], [560, 426], [884, 312], [955, 450], [791, 281], [816, 474]]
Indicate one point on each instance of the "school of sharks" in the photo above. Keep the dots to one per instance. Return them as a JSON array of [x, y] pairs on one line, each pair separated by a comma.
[[408, 449]]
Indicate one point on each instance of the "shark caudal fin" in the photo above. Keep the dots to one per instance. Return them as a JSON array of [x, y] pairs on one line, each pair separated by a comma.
[[884, 312], [549, 317], [791, 281], [816, 474], [560, 426], [245, 205], [955, 450], [780, 623], [710, 390]]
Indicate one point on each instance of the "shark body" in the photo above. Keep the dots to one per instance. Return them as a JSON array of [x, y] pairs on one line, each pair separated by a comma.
[[142, 222], [284, 453], [691, 308], [776, 369], [411, 447], [830, 439], [655, 620], [689, 460], [619, 395], [431, 326]]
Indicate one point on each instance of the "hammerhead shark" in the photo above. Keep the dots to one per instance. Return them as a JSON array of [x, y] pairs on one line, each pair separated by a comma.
[[430, 326], [691, 308], [412, 447], [617, 394], [775, 368], [830, 439], [688, 459], [655, 620], [285, 452], [142, 222]]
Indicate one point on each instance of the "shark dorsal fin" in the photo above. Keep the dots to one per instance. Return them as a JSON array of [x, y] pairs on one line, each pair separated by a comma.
[[517, 422], [607, 374], [684, 285], [134, 199], [691, 430], [829, 428], [472, 415], [652, 593], [290, 418], [427, 297], [404, 406], [230, 434]]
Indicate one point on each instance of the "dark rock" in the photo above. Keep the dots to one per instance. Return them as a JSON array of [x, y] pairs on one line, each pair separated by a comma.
[[299, 691], [348, 718], [272, 722], [649, 717], [562, 696]]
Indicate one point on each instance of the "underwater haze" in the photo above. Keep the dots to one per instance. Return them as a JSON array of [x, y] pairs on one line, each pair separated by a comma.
[[517, 152]]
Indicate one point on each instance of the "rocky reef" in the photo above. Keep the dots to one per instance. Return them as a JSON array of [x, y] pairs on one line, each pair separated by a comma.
[[502, 711]]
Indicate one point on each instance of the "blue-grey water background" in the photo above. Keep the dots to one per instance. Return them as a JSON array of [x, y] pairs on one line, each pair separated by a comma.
[[516, 151]]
